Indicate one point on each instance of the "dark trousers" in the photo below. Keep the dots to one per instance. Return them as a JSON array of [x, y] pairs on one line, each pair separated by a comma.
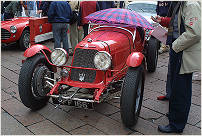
[[168, 82], [85, 29], [60, 35], [180, 98]]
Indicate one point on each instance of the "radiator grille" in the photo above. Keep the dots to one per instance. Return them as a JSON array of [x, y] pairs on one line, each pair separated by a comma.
[[5, 34], [83, 58]]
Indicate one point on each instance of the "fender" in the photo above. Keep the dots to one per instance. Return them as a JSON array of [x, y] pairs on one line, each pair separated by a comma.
[[135, 59], [34, 49]]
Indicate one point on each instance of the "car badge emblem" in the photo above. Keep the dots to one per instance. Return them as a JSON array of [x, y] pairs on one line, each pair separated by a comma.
[[40, 28], [81, 77]]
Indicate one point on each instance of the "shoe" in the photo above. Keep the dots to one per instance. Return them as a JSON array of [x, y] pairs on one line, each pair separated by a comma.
[[168, 129], [162, 98]]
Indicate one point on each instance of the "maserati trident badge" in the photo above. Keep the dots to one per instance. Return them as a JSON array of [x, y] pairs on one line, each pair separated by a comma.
[[81, 76]]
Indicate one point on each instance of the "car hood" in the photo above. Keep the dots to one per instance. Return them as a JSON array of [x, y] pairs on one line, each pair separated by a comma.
[[15, 21]]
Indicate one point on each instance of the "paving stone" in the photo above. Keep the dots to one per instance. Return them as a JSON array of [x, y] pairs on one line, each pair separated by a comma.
[[5, 83], [10, 126], [194, 114], [13, 91], [198, 125], [11, 76], [150, 77], [136, 133], [116, 116], [10, 65], [157, 86], [196, 90], [146, 127], [191, 130], [163, 120], [5, 96], [115, 102], [148, 114], [196, 100], [20, 112], [61, 118], [161, 74], [159, 106], [86, 130], [46, 128], [103, 123], [106, 109], [151, 94]]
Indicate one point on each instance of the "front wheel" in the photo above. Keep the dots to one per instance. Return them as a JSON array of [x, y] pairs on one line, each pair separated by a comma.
[[24, 41], [132, 95], [32, 82], [152, 54]]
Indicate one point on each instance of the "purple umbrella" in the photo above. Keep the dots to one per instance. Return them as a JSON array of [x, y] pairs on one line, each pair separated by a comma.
[[119, 16]]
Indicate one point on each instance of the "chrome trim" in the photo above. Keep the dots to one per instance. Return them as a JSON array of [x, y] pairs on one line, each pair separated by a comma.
[[69, 98], [112, 26]]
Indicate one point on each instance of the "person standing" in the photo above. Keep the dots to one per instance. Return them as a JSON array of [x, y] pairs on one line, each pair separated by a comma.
[[12, 10], [86, 8], [76, 35], [106, 4], [59, 15], [162, 10], [43, 8], [184, 38]]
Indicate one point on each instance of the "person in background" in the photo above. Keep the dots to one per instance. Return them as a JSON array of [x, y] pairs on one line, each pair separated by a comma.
[[168, 83], [31, 8], [76, 35], [59, 15], [12, 10], [106, 4], [86, 8], [43, 8], [184, 38], [3, 6], [162, 10]]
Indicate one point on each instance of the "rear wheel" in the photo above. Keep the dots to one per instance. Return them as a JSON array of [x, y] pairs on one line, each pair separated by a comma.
[[24, 41], [132, 95], [32, 82], [152, 54]]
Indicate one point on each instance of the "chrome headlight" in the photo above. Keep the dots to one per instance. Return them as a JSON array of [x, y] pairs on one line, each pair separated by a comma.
[[13, 29], [59, 57], [102, 60]]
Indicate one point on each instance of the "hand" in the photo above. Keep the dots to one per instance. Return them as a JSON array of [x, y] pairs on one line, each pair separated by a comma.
[[156, 19], [39, 11], [79, 27]]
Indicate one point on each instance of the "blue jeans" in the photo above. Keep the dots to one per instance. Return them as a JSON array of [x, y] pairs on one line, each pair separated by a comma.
[[60, 35]]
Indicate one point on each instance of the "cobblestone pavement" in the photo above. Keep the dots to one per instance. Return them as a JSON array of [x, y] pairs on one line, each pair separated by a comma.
[[105, 119]]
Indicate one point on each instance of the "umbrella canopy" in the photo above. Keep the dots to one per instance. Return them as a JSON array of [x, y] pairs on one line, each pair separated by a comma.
[[120, 17]]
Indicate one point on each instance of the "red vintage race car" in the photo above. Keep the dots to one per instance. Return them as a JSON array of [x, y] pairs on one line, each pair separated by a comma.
[[17, 30], [110, 61]]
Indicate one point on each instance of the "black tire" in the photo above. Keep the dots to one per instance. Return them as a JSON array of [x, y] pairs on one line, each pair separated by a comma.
[[152, 54], [24, 41], [132, 95], [26, 82]]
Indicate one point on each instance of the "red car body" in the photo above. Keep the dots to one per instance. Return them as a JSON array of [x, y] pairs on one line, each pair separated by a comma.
[[21, 23], [128, 52]]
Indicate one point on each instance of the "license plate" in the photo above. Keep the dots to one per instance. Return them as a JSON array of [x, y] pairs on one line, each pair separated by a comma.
[[80, 104]]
